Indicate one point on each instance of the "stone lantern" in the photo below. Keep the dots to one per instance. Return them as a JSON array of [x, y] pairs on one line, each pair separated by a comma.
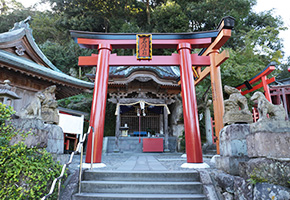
[[6, 95]]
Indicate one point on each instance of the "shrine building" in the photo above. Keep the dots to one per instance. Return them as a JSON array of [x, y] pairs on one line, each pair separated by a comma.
[[156, 87], [28, 69]]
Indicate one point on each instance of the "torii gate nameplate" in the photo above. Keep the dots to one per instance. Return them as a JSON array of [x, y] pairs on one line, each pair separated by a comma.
[[144, 46]]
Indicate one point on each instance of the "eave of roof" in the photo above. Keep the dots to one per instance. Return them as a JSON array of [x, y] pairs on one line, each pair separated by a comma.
[[162, 72], [74, 112], [29, 66], [18, 34]]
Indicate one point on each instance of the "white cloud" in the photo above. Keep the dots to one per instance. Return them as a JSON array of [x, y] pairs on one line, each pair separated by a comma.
[[281, 7]]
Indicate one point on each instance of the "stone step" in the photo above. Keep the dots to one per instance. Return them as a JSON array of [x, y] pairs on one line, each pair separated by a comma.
[[159, 176], [127, 196], [141, 187]]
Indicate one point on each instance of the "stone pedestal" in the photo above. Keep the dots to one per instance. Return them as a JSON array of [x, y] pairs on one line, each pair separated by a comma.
[[269, 145], [237, 117], [267, 170], [270, 139], [43, 135], [233, 148], [233, 140]]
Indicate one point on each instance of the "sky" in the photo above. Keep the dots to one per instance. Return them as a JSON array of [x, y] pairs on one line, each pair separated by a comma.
[[281, 7]]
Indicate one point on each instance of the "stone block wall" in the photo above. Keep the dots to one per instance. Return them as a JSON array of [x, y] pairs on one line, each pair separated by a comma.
[[266, 170], [269, 144], [233, 148], [257, 159], [43, 135], [238, 188]]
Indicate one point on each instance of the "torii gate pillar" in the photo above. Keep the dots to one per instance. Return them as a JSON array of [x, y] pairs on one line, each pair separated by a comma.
[[217, 95], [99, 105], [191, 124]]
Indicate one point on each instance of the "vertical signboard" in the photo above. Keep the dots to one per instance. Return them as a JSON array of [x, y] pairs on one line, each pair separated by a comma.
[[144, 46]]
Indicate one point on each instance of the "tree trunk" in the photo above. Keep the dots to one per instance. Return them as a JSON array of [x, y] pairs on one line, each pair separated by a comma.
[[148, 11]]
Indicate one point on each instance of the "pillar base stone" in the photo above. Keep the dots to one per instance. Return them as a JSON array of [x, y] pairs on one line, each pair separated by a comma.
[[194, 165], [95, 165], [166, 151]]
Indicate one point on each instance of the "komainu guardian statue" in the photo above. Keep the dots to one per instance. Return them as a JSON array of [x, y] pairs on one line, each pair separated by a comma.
[[49, 106], [275, 112], [42, 106], [236, 108], [33, 109]]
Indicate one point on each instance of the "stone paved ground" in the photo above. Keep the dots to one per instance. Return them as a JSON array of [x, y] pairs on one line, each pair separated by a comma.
[[117, 161]]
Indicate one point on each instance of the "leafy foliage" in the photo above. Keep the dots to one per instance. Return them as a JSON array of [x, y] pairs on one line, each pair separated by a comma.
[[5, 112], [7, 20], [7, 6], [64, 57], [168, 18], [25, 173], [284, 73]]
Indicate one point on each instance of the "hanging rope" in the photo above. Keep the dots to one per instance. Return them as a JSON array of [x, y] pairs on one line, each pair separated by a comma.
[[138, 102]]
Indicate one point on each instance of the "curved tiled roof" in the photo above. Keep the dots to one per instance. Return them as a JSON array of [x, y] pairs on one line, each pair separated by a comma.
[[36, 69], [34, 62], [171, 72]]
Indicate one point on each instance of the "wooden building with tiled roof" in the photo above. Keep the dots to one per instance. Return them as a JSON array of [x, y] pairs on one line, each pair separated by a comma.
[[29, 70]]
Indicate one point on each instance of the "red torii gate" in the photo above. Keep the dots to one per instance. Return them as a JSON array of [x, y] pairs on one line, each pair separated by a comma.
[[210, 41], [262, 76]]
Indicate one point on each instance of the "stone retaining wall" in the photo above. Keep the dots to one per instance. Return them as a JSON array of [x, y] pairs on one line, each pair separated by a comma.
[[238, 188]]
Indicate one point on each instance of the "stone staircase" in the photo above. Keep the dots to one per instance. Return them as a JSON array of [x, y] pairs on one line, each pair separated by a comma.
[[140, 185]]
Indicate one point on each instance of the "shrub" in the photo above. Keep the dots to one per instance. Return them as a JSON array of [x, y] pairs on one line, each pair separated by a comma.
[[25, 173]]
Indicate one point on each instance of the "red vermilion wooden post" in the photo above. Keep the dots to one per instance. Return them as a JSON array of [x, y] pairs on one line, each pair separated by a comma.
[[217, 96], [98, 109], [266, 88], [191, 124]]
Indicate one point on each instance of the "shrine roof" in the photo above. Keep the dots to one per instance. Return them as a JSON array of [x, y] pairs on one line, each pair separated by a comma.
[[19, 51], [16, 34], [36, 69], [163, 72]]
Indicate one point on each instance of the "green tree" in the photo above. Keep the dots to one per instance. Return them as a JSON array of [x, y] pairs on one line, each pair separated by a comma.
[[283, 69], [249, 60], [7, 6], [168, 17], [44, 28], [7, 20], [64, 57]]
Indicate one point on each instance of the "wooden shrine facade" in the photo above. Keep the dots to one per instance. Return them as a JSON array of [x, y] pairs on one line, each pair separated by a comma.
[[156, 86], [280, 94], [207, 62]]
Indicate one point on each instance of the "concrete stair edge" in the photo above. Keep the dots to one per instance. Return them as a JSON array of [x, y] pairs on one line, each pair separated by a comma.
[[83, 196]]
